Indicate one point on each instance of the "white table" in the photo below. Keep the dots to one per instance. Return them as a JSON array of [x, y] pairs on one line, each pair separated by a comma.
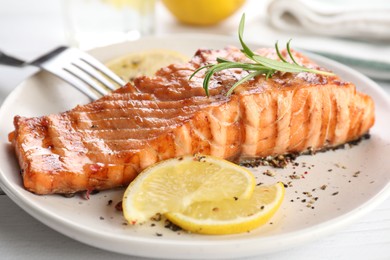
[[28, 30]]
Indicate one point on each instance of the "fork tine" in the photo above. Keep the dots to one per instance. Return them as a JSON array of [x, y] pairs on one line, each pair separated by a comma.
[[93, 73], [75, 82], [100, 67], [80, 70], [83, 76]]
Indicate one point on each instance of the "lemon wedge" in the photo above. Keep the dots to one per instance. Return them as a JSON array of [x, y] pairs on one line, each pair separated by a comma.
[[231, 216], [144, 63], [173, 185]]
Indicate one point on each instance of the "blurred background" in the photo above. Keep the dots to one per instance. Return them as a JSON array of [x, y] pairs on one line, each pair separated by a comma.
[[353, 32]]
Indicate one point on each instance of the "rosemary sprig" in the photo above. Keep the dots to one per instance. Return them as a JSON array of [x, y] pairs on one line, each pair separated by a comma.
[[260, 65]]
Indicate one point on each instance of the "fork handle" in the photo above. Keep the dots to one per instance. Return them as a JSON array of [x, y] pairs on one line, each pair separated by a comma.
[[11, 61]]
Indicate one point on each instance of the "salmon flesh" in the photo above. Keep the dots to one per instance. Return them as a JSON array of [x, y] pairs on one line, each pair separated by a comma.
[[107, 143]]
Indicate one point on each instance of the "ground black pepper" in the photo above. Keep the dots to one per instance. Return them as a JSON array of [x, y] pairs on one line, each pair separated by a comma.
[[169, 225], [118, 206]]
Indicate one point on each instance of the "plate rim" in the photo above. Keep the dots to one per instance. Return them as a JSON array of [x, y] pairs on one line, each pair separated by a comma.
[[326, 227]]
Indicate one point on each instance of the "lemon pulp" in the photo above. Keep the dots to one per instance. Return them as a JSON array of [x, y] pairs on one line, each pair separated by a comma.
[[144, 63]]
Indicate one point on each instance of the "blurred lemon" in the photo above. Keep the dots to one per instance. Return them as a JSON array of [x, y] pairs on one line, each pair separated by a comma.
[[202, 12]]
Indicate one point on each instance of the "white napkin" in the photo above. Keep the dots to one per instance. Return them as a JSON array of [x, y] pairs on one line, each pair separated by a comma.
[[360, 19], [353, 32]]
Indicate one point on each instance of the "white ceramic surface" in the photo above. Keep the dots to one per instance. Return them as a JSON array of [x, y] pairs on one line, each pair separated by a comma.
[[96, 222]]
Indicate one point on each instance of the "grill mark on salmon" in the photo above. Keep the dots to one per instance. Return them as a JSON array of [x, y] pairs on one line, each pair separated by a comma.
[[126, 104], [106, 143]]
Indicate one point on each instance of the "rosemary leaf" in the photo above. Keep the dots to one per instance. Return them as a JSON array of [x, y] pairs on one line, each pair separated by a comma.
[[260, 65], [245, 48], [278, 52], [199, 69], [244, 79], [289, 52]]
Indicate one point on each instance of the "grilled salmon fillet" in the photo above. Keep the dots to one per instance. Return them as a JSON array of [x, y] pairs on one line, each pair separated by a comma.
[[106, 143]]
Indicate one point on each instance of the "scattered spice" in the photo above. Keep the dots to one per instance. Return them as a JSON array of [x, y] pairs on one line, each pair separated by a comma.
[[340, 166], [156, 217], [311, 151], [323, 187], [294, 177], [171, 226], [198, 157], [280, 161], [269, 173], [335, 193], [109, 203], [118, 206], [356, 174]]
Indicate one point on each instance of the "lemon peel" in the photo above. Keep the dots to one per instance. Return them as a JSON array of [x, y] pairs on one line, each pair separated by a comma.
[[231, 216]]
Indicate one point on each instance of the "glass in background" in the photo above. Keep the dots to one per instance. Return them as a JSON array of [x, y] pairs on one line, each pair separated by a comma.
[[94, 23]]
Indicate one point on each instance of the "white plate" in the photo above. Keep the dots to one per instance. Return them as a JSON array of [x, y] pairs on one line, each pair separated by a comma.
[[96, 223]]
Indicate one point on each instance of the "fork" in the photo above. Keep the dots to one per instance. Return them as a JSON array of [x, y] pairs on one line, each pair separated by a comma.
[[76, 67]]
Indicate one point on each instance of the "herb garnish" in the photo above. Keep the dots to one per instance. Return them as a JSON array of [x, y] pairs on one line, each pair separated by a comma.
[[260, 66]]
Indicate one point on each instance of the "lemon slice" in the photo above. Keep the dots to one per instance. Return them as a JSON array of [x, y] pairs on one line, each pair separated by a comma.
[[231, 216], [173, 185], [144, 63]]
